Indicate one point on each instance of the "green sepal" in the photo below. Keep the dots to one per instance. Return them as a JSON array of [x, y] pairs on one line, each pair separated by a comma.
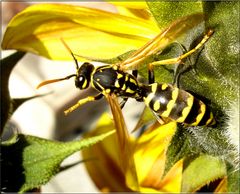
[[7, 65], [32, 161], [166, 12], [202, 171], [213, 79]]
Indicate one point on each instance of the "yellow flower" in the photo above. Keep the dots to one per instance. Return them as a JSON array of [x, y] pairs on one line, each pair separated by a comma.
[[149, 156], [121, 163], [89, 32]]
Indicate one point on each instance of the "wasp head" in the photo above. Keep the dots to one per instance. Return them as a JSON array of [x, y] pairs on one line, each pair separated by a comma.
[[83, 77]]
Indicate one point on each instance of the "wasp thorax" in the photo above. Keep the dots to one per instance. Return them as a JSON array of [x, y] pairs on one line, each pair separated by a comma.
[[83, 77]]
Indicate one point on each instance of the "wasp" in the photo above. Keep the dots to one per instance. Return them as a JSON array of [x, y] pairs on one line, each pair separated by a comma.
[[165, 100]]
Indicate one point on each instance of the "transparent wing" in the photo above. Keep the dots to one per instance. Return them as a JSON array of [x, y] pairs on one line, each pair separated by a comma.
[[126, 155], [177, 28], [161, 120]]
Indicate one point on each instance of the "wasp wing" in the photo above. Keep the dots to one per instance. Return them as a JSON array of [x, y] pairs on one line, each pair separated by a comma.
[[126, 150], [145, 116], [177, 28]]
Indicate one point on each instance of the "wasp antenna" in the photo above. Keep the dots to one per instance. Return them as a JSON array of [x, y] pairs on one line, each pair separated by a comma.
[[54, 80], [69, 50], [47, 82]]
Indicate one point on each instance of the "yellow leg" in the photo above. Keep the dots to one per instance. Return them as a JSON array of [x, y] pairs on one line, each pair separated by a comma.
[[179, 59], [81, 102]]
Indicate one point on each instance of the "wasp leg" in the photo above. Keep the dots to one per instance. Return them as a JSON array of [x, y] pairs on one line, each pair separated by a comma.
[[83, 101], [182, 67], [123, 102], [135, 73], [176, 76], [179, 59], [151, 77], [160, 119]]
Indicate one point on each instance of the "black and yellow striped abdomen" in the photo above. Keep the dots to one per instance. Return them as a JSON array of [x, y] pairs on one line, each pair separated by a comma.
[[171, 102]]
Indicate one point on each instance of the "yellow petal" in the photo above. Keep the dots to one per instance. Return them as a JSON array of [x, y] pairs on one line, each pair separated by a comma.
[[104, 165], [171, 183], [131, 4], [150, 148], [222, 186], [137, 13], [137, 10], [88, 32], [154, 175]]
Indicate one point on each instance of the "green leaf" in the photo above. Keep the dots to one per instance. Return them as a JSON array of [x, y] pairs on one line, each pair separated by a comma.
[[17, 102], [193, 141], [217, 67], [180, 146], [166, 12], [214, 77], [233, 180], [7, 65], [164, 15], [223, 51], [113, 60], [201, 171], [32, 161], [68, 166], [10, 105]]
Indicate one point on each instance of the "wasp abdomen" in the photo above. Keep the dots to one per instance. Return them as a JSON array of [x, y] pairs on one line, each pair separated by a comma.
[[176, 104]]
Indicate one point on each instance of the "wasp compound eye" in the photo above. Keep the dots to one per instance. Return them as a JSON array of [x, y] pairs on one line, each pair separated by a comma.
[[81, 82]]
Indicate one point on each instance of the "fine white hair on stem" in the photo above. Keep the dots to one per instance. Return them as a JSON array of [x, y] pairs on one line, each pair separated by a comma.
[[232, 128]]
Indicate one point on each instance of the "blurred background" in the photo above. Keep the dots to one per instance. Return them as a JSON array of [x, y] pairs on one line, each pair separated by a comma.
[[43, 116]]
